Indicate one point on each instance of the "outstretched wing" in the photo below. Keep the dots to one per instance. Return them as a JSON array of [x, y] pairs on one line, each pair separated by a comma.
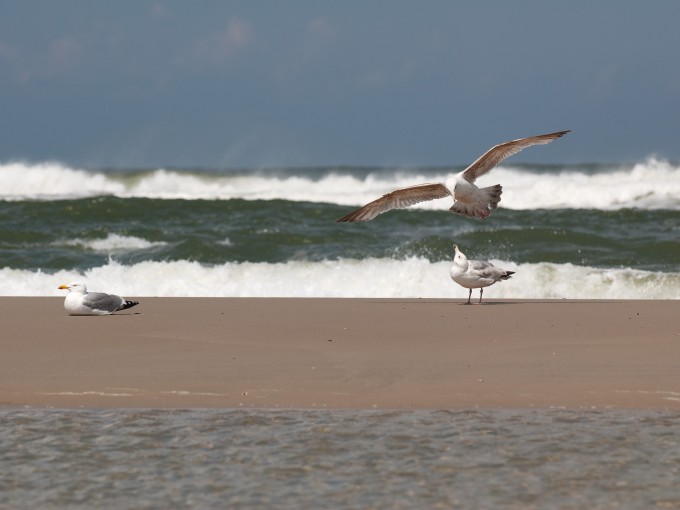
[[398, 199], [499, 152]]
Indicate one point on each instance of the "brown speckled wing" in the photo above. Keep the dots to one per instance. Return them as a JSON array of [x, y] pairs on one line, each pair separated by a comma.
[[398, 199], [498, 153]]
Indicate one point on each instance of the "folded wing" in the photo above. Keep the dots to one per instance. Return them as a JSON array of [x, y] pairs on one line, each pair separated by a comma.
[[102, 301]]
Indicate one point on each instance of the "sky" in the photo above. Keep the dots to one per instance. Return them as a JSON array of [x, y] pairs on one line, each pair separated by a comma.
[[270, 83]]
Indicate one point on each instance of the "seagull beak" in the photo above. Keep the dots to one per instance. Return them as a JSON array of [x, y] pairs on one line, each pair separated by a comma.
[[64, 287]]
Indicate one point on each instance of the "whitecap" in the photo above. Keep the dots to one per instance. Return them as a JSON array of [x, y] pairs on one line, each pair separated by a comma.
[[414, 277], [113, 244], [651, 184]]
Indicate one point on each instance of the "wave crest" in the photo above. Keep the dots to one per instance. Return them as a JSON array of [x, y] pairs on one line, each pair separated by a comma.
[[410, 278], [113, 244], [652, 184]]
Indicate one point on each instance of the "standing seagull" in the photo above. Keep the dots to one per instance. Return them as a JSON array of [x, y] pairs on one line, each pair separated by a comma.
[[468, 199], [81, 302], [475, 274]]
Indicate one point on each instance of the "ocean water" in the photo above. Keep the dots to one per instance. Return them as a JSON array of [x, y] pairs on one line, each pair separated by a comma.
[[147, 459], [569, 231], [580, 231]]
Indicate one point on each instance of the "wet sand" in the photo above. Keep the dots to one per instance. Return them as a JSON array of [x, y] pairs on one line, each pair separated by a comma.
[[342, 353]]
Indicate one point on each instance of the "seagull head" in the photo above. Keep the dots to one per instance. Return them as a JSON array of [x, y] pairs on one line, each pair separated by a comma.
[[74, 287], [459, 257]]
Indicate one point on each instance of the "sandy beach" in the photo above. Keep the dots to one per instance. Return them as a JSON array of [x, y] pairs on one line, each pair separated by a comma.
[[342, 353]]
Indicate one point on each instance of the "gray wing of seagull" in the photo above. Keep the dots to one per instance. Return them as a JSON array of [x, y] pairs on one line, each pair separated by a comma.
[[102, 301], [499, 152], [487, 272], [484, 269], [398, 199]]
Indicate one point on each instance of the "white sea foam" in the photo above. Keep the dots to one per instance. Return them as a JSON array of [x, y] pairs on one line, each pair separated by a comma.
[[49, 181], [653, 184], [113, 244], [378, 278], [650, 184]]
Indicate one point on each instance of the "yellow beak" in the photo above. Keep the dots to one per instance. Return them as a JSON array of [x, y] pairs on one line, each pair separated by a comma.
[[65, 287]]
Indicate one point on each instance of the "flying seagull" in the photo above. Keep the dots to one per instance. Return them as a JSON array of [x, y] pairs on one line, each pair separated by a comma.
[[475, 274], [81, 302], [468, 199]]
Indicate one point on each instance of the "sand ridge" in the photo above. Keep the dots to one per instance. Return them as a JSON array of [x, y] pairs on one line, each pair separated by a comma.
[[342, 353]]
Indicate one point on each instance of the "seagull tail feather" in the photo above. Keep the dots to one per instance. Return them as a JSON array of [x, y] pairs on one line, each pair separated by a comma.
[[486, 200], [481, 213], [127, 304], [494, 195]]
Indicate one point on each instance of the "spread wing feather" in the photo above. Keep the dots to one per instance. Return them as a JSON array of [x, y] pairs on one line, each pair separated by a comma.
[[398, 199], [499, 152]]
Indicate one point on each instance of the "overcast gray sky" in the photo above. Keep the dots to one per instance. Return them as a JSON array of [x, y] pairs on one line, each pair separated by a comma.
[[130, 83]]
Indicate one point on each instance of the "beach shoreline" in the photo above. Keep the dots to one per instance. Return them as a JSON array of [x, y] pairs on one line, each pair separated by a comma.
[[342, 353]]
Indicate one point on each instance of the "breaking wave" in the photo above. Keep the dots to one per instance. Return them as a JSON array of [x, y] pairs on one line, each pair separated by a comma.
[[652, 184]]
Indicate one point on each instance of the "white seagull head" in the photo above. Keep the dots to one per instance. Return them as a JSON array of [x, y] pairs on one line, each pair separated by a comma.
[[74, 287], [459, 257]]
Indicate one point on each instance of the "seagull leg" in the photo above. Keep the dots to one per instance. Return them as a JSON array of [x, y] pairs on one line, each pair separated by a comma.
[[469, 296], [481, 291]]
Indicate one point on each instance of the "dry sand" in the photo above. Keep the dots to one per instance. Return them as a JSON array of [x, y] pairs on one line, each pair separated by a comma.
[[342, 353]]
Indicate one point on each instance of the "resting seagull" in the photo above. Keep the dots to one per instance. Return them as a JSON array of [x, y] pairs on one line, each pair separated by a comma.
[[81, 302], [468, 199], [475, 274]]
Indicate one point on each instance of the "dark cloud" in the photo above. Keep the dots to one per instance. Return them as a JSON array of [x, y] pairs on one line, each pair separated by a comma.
[[239, 83]]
